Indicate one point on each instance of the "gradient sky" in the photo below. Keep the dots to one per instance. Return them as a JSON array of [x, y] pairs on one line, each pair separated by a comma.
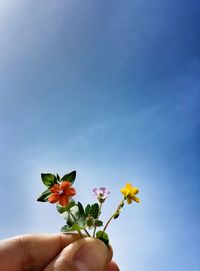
[[111, 89]]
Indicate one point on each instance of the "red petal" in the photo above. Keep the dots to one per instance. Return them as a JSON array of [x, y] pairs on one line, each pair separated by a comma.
[[65, 185], [53, 198], [63, 200], [55, 188], [70, 192]]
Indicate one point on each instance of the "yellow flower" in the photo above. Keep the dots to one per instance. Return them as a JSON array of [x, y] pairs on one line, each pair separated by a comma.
[[129, 193]]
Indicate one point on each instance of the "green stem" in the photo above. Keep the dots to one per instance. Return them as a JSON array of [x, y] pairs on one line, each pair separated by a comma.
[[113, 215], [72, 215], [87, 232], [95, 228], [80, 233]]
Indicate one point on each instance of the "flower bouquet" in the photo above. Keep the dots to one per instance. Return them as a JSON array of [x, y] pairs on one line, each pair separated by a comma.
[[85, 220]]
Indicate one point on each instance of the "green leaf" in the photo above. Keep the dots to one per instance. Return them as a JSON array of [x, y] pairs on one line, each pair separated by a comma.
[[70, 177], [78, 226], [67, 228], [103, 237], [44, 196], [81, 209], [98, 223], [73, 215], [81, 223], [65, 215], [62, 209], [94, 210], [58, 177], [48, 179], [87, 210]]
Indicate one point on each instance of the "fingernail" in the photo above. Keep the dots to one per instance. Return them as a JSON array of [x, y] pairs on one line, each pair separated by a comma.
[[92, 256]]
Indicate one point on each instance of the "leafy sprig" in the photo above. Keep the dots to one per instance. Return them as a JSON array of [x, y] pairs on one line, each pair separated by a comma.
[[77, 218]]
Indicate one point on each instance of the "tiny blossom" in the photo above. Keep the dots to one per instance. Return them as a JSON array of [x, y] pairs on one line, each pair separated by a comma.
[[90, 222], [101, 193], [61, 193], [129, 193]]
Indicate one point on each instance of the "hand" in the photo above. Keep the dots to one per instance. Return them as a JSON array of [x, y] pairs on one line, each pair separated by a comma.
[[55, 252]]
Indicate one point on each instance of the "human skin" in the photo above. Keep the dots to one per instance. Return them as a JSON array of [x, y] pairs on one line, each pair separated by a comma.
[[55, 252]]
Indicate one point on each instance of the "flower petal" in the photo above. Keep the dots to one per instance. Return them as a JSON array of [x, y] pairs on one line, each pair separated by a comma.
[[55, 188], [136, 199], [124, 191], [107, 191], [53, 198], [65, 185], [63, 200], [102, 189], [134, 191], [129, 200], [96, 191], [70, 192], [128, 187]]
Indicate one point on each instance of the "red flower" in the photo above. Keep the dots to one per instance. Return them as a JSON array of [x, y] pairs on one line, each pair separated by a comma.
[[61, 193]]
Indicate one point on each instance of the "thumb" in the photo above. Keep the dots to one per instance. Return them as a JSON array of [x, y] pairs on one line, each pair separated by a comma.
[[86, 254]]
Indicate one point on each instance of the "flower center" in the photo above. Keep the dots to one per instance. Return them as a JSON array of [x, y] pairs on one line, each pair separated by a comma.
[[60, 192]]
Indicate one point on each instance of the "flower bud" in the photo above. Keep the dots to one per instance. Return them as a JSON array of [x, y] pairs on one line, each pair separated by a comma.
[[90, 222], [116, 215]]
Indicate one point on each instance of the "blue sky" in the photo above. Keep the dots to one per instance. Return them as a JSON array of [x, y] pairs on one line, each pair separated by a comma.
[[111, 89]]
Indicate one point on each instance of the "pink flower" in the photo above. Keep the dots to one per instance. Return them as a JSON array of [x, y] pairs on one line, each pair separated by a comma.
[[101, 193]]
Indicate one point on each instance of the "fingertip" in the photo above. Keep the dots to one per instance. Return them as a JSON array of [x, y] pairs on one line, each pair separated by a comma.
[[112, 266]]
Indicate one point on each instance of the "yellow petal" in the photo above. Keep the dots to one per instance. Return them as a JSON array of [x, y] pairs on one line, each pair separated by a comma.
[[134, 191], [124, 191], [128, 187], [136, 199], [129, 200]]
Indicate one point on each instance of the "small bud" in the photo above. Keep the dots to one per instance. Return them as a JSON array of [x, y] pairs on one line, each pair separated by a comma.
[[98, 223], [100, 198], [116, 215], [90, 222]]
